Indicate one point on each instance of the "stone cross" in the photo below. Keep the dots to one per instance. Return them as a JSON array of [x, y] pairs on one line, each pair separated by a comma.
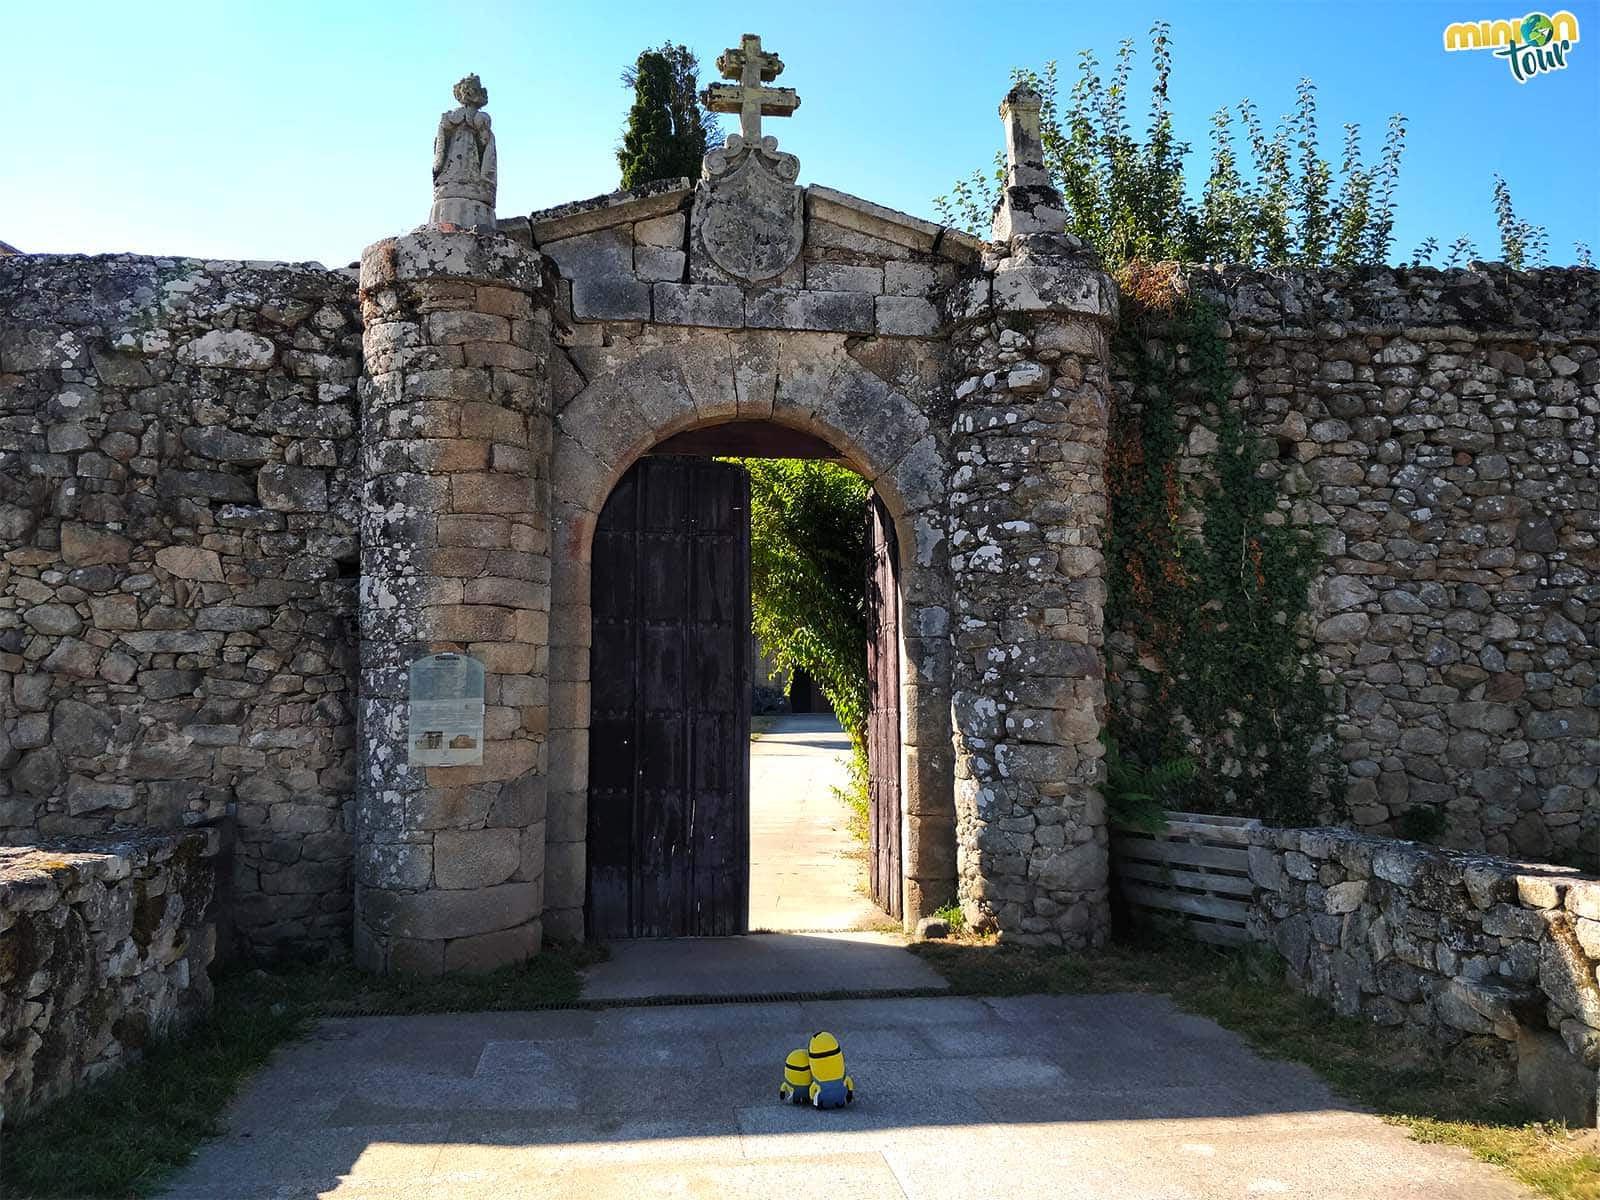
[[752, 67]]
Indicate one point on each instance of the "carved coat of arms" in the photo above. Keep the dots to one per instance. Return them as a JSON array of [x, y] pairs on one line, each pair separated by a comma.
[[750, 212]]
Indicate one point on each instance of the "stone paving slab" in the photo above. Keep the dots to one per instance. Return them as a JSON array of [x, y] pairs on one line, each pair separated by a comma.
[[1104, 1097]]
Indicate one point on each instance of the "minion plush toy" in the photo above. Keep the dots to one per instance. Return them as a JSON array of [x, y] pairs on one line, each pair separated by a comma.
[[830, 1086], [796, 1085]]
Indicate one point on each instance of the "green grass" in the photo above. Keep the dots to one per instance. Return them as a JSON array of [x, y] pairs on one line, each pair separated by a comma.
[[126, 1134], [1244, 991]]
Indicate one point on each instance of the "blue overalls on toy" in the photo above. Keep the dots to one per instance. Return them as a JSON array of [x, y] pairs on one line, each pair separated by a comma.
[[830, 1086]]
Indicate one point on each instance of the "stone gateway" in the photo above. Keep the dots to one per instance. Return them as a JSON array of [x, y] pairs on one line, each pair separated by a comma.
[[512, 378]]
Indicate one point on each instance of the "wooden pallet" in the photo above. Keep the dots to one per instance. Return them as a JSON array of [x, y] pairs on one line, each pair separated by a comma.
[[1195, 871]]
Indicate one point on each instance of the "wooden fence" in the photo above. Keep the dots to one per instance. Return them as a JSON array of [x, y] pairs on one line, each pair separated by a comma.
[[1195, 871]]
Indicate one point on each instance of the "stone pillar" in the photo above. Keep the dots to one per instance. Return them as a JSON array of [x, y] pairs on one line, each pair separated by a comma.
[[1029, 203], [1027, 506], [455, 556]]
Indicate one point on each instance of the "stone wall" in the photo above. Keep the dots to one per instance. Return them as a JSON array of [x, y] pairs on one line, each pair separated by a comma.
[[181, 505], [104, 944], [1490, 960], [178, 503], [1438, 430]]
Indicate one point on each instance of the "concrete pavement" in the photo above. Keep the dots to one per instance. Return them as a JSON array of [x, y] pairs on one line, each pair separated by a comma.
[[1059, 1098], [806, 869]]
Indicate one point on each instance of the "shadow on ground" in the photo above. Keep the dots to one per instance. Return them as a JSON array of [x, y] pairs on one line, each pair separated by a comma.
[[1034, 1096]]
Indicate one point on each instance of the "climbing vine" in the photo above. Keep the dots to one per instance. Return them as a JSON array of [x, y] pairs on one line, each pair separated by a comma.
[[1208, 581]]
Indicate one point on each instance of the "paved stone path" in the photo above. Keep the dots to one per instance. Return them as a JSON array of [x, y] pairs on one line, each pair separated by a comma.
[[762, 964], [1065, 1098], [806, 869]]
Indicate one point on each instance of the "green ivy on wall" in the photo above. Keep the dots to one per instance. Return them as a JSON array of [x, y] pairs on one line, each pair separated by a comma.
[[1214, 594]]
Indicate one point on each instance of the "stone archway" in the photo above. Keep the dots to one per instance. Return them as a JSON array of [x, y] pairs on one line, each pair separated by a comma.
[[805, 382], [512, 377]]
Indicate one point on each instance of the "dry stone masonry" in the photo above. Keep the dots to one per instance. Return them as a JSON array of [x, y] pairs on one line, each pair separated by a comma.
[[1494, 962], [178, 511], [1438, 430], [103, 945]]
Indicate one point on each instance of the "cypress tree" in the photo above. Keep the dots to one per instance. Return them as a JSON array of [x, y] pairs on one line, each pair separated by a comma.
[[669, 130]]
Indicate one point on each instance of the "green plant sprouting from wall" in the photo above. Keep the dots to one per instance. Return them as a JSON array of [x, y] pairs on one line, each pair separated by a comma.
[[1138, 796], [1266, 199], [1213, 591], [1522, 243], [1131, 199]]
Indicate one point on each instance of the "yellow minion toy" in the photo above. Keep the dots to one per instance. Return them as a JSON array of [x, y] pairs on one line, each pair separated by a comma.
[[796, 1085], [830, 1086]]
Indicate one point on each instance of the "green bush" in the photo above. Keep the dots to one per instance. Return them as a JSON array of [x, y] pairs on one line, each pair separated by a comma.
[[1134, 199], [807, 577]]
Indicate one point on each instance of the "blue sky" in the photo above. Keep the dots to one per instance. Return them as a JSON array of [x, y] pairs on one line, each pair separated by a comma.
[[303, 131]]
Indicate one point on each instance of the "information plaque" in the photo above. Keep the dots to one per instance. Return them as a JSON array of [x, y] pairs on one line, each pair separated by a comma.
[[445, 724]]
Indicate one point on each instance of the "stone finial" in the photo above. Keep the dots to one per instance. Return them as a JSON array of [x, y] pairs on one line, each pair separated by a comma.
[[464, 166], [1029, 202]]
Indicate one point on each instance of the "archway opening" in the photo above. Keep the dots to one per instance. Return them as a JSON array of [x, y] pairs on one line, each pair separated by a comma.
[[706, 817]]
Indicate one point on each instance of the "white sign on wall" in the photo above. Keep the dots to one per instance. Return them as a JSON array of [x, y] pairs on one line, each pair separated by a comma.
[[445, 713]]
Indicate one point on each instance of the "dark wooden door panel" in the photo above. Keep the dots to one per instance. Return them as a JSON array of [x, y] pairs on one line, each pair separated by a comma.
[[670, 721], [883, 713]]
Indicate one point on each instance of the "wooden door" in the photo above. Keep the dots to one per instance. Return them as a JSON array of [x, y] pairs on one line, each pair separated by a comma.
[[883, 713], [669, 726]]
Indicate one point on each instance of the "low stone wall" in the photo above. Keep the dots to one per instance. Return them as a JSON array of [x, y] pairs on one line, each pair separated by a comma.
[[1494, 961], [103, 945]]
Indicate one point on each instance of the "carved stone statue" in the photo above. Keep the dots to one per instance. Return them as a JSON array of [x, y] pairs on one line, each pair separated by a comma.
[[464, 162]]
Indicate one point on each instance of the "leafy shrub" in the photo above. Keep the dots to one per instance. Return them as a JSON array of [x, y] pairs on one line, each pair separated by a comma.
[[807, 575], [1131, 199]]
